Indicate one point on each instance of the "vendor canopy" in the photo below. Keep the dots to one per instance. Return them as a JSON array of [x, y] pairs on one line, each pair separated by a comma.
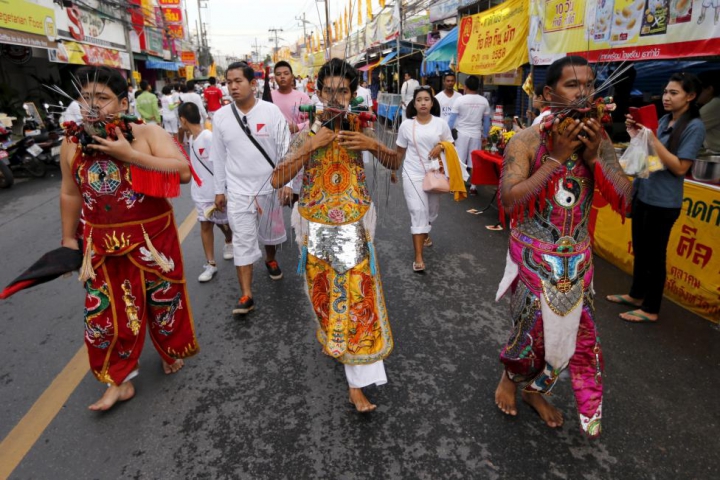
[[439, 56], [494, 41], [623, 30]]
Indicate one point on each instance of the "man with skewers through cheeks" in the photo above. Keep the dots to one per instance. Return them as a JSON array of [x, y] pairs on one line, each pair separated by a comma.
[[334, 222], [116, 176], [549, 173]]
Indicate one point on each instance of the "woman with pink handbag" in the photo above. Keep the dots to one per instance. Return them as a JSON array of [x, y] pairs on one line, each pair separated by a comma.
[[424, 178]]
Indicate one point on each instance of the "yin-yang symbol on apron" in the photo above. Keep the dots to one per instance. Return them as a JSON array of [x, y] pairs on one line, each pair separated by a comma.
[[568, 193]]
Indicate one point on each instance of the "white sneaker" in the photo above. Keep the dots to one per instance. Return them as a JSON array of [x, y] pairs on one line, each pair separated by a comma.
[[228, 251], [208, 273]]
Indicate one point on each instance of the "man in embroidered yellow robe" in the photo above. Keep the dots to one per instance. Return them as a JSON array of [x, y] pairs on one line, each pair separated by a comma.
[[334, 223]]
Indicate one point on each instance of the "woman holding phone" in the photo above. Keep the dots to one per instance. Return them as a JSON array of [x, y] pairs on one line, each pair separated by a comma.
[[657, 200]]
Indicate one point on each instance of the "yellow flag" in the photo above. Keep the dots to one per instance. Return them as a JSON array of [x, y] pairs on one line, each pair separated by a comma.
[[369, 10], [347, 26], [382, 3], [359, 7]]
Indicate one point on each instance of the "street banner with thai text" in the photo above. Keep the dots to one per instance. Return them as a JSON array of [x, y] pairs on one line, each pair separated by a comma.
[[83, 54], [494, 41], [693, 253], [622, 30]]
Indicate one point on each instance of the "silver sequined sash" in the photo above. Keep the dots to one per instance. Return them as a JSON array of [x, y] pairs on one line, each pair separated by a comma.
[[342, 246]]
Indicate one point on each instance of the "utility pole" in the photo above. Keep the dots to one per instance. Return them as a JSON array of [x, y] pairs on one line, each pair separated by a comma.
[[202, 38], [327, 29], [397, 44], [258, 53], [303, 22], [275, 32]]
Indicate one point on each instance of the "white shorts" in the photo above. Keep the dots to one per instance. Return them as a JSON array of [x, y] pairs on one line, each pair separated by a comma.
[[170, 124], [423, 206], [218, 218], [252, 219], [360, 376], [464, 146]]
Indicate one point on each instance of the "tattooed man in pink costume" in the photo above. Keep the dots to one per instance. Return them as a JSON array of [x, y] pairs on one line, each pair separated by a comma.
[[549, 173]]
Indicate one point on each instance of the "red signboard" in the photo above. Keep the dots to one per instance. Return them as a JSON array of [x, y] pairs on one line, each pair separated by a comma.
[[176, 31], [169, 3], [172, 15], [188, 58]]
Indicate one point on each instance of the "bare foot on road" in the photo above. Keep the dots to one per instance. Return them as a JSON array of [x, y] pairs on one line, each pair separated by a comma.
[[169, 368], [550, 415], [114, 394], [505, 395], [362, 404]]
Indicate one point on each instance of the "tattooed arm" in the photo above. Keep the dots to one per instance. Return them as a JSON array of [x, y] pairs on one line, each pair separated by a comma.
[[299, 154]]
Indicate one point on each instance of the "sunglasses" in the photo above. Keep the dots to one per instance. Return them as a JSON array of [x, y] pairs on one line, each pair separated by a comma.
[[424, 87]]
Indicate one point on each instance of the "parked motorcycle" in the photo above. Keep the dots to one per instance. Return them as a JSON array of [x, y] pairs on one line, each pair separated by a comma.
[[48, 140], [19, 155], [6, 176]]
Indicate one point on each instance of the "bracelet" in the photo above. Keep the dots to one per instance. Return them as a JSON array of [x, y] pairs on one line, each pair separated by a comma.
[[554, 160]]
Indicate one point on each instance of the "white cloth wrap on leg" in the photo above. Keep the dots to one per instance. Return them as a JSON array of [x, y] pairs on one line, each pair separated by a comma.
[[560, 334], [360, 376], [511, 272]]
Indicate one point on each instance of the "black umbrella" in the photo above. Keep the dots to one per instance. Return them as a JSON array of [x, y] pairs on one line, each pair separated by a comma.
[[50, 266]]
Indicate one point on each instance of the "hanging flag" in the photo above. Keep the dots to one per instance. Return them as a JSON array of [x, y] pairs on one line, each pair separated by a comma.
[[382, 3], [359, 13], [347, 26], [369, 10]]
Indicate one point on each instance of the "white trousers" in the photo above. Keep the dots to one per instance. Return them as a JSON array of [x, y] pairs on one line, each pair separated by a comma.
[[360, 376], [254, 218], [423, 207], [464, 146]]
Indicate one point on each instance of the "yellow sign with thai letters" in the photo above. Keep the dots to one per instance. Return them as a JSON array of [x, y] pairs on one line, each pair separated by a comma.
[[693, 252], [494, 41]]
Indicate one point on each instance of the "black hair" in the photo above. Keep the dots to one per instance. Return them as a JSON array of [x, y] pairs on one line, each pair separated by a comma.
[[247, 70], [540, 90], [283, 63], [106, 76], [555, 70], [337, 68], [190, 112], [472, 83], [711, 79], [144, 85], [451, 74], [690, 83], [191, 85], [411, 110], [166, 90], [183, 88], [212, 80]]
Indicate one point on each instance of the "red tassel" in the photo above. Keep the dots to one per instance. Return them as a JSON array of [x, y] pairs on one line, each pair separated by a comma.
[[155, 183], [194, 174], [607, 190]]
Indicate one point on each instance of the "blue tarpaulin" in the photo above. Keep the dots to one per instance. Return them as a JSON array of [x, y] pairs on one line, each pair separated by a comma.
[[439, 56], [163, 65]]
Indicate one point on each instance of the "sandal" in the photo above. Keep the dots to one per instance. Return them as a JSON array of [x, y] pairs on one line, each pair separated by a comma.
[[618, 299], [640, 317], [418, 267], [428, 242]]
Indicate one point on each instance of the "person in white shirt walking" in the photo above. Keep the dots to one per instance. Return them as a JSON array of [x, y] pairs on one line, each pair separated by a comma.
[[249, 137], [448, 96], [470, 116], [204, 195], [407, 91]]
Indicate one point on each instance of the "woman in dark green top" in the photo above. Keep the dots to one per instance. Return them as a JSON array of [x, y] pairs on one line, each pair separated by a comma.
[[657, 199]]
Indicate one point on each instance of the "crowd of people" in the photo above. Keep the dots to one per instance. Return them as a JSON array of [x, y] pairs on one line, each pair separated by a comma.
[[262, 155]]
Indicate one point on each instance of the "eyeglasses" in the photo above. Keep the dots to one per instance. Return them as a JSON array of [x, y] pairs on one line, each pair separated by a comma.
[[424, 87]]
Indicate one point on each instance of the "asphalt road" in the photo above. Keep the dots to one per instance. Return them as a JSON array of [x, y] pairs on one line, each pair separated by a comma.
[[262, 401]]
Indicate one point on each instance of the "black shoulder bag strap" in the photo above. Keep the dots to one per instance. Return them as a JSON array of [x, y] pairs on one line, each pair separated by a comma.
[[249, 135], [201, 162]]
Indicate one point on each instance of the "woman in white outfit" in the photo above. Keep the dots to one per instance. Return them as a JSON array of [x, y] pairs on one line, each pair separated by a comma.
[[169, 115], [419, 140]]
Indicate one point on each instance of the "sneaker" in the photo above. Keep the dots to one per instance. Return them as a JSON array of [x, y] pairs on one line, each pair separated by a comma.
[[208, 273], [228, 251], [244, 305], [274, 270]]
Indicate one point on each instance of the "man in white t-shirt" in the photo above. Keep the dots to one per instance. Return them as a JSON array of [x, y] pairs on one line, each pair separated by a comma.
[[407, 91], [448, 96], [470, 116], [204, 195], [188, 95], [242, 176]]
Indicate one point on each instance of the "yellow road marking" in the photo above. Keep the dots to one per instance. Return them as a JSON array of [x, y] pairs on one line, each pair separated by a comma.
[[28, 430]]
